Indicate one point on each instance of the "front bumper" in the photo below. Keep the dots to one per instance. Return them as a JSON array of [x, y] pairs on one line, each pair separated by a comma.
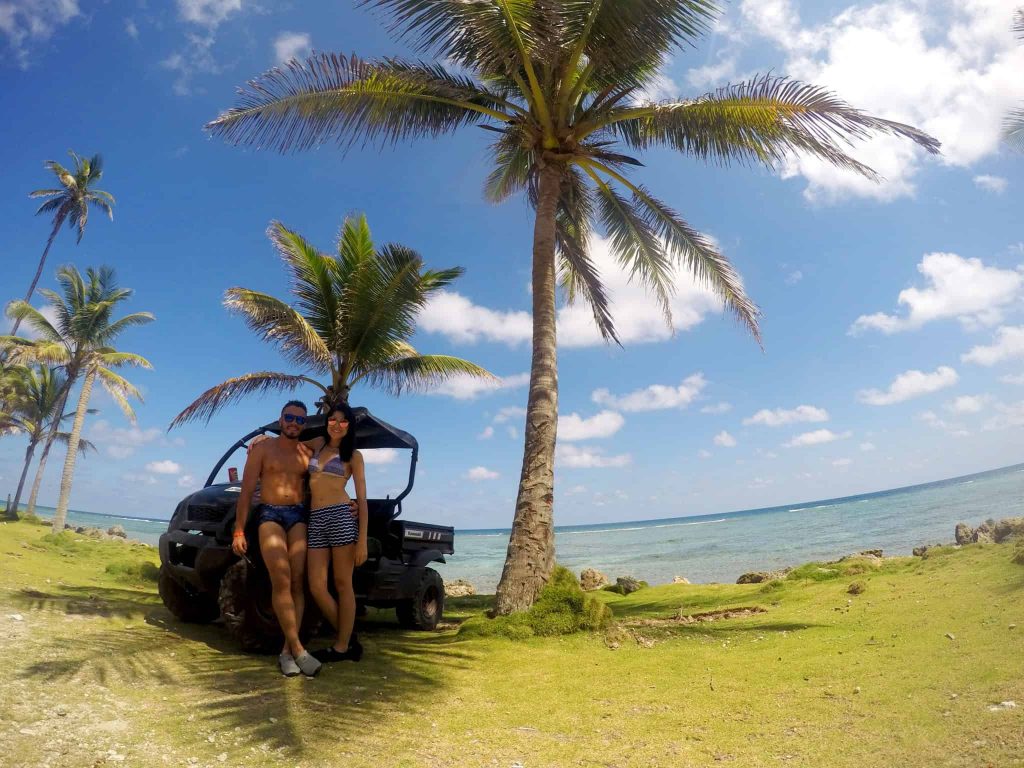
[[195, 559]]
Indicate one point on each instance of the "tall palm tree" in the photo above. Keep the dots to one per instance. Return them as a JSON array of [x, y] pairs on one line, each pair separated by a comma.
[[562, 87], [70, 203], [1013, 130], [80, 342], [353, 317], [34, 413]]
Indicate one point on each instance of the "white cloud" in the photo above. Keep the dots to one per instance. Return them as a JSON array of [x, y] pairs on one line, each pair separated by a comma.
[[487, 434], [186, 481], [26, 23], [717, 408], [842, 462], [164, 467], [133, 478], [573, 427], [587, 457], [292, 45], [120, 442], [1009, 345], [794, 277], [655, 397], [962, 288], [817, 437], [638, 317], [509, 412], [379, 455], [910, 384], [995, 184], [466, 387], [1012, 378], [716, 74], [781, 417], [867, 446], [209, 13], [130, 29], [958, 71], [725, 440], [704, 453], [1008, 415], [464, 322], [481, 473], [968, 404], [576, 490]]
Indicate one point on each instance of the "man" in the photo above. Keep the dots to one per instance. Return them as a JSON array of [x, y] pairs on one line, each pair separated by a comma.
[[279, 465]]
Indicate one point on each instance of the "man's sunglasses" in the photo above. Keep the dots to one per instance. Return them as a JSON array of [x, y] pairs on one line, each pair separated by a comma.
[[290, 417]]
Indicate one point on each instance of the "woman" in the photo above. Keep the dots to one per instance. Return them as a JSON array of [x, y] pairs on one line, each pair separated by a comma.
[[337, 528]]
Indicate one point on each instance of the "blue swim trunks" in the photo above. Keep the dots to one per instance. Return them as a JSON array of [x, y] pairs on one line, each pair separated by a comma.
[[285, 515]]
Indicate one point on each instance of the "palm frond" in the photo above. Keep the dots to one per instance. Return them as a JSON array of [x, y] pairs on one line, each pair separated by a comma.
[[763, 120], [514, 161], [282, 326], [233, 390], [1013, 129], [342, 99], [578, 274], [418, 373], [313, 279], [46, 192], [635, 244], [113, 358], [33, 318], [84, 446], [116, 328], [120, 390], [1018, 23]]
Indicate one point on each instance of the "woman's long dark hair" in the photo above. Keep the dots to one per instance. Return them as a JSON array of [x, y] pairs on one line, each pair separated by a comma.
[[348, 442]]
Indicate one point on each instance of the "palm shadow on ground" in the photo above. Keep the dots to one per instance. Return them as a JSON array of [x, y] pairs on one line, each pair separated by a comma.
[[201, 672]]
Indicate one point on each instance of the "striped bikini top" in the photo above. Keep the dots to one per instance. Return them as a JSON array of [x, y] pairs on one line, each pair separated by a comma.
[[333, 466]]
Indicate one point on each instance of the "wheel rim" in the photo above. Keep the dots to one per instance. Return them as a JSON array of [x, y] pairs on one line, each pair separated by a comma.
[[430, 603]]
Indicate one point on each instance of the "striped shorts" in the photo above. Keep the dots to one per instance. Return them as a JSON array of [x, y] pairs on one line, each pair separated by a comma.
[[334, 526]]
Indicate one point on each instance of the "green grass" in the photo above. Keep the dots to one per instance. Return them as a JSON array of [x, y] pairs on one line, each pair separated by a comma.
[[819, 678]]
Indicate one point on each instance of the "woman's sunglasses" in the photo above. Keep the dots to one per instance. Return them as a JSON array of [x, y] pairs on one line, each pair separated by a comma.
[[337, 421], [290, 417]]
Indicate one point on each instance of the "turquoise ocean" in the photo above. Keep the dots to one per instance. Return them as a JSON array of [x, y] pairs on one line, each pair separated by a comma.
[[718, 548]]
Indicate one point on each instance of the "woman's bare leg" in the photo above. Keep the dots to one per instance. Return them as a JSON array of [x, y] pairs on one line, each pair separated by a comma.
[[344, 562], [318, 561]]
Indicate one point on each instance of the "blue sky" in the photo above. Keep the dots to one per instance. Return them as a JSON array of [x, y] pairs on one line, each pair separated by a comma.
[[893, 333]]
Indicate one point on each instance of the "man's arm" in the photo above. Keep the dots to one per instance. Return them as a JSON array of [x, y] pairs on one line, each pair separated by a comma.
[[250, 476]]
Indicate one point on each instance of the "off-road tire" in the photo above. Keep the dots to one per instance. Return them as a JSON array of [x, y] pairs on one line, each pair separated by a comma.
[[184, 602], [249, 615], [424, 610]]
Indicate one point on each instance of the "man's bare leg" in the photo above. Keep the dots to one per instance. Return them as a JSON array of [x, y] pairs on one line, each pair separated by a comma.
[[297, 570], [274, 547]]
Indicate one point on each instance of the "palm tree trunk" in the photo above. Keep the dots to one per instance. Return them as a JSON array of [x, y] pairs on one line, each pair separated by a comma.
[[69, 460], [39, 270], [531, 546], [12, 511], [72, 375]]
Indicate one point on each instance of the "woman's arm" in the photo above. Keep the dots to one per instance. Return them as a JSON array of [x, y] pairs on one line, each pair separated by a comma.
[[359, 475]]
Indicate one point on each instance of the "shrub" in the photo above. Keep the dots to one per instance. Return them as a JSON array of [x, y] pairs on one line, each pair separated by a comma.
[[849, 566], [856, 588], [562, 609], [33, 519], [1018, 553], [772, 586], [128, 570]]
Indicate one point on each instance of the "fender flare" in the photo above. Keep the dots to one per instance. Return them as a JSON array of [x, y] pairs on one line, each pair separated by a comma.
[[426, 556]]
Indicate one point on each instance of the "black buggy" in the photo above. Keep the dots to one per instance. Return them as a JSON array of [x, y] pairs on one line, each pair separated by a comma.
[[201, 579]]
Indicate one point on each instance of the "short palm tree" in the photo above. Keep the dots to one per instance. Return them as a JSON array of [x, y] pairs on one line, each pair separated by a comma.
[[69, 203], [353, 317], [562, 88], [1014, 128], [80, 342], [34, 413]]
